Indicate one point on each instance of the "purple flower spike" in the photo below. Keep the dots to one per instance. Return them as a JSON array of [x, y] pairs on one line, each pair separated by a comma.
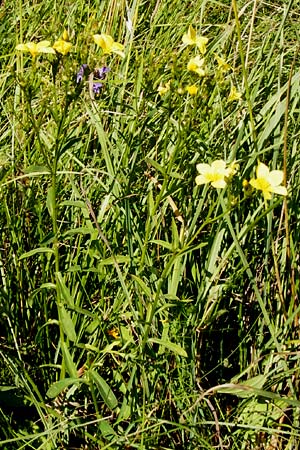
[[80, 73], [97, 88], [100, 74]]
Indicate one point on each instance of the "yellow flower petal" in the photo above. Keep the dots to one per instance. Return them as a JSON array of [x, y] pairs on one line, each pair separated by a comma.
[[219, 184], [222, 64], [192, 90], [276, 176], [234, 95], [280, 190], [190, 37], [65, 35], [196, 65], [201, 42], [262, 170], [62, 46], [162, 90]]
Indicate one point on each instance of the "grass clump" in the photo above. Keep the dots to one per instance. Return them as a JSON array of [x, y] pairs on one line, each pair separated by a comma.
[[149, 206]]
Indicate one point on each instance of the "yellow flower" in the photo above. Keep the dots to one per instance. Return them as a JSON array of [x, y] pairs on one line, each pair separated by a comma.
[[234, 94], [162, 90], [196, 65], [192, 90], [108, 45], [223, 66], [248, 189], [114, 332], [216, 174], [62, 46], [268, 181], [191, 38], [65, 35], [233, 168], [34, 49]]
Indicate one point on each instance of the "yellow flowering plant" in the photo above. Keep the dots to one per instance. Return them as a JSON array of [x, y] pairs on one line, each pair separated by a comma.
[[223, 66], [196, 65], [62, 46], [35, 48], [268, 181], [217, 174], [191, 38], [192, 89], [234, 95], [108, 45], [163, 89]]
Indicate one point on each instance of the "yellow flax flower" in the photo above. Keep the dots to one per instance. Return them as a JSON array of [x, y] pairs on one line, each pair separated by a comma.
[[196, 65], [34, 49], [234, 94], [216, 174], [108, 45], [268, 181], [62, 46], [162, 90], [192, 90], [191, 38], [223, 66]]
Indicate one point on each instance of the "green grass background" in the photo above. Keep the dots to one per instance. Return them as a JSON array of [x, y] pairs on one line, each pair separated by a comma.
[[123, 324]]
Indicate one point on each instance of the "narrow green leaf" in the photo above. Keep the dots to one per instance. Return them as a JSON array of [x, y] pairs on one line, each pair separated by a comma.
[[143, 285], [163, 244], [51, 200], [155, 165], [120, 259], [65, 293], [35, 251], [70, 366]]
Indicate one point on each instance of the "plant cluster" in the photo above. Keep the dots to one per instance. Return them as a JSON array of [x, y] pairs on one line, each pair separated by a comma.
[[148, 295]]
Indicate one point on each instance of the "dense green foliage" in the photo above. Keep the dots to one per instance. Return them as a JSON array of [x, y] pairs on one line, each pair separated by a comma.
[[139, 309]]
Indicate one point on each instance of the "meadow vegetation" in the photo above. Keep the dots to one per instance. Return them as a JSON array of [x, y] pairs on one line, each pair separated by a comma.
[[149, 186]]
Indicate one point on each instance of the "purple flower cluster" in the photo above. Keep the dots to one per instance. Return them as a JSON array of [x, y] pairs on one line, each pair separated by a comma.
[[80, 73], [98, 74]]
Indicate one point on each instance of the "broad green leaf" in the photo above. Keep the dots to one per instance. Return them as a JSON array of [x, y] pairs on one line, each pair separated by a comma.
[[105, 391], [36, 170], [106, 430], [56, 388], [67, 323], [175, 348]]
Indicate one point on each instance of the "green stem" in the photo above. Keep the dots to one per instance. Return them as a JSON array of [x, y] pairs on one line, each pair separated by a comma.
[[245, 73]]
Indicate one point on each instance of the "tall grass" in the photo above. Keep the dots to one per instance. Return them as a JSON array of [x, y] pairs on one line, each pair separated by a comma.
[[138, 309]]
